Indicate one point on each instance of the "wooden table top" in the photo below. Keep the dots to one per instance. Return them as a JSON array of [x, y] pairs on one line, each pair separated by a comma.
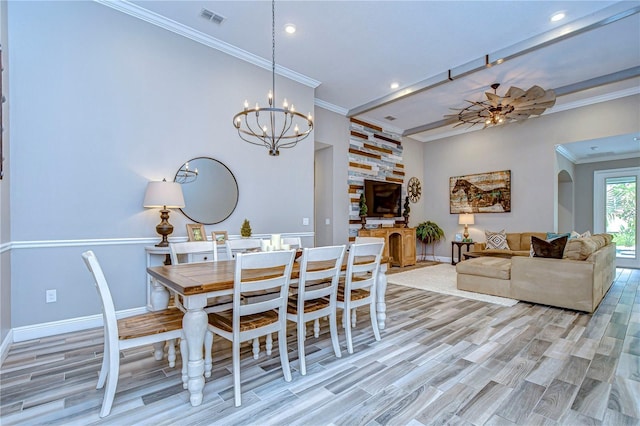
[[207, 277]]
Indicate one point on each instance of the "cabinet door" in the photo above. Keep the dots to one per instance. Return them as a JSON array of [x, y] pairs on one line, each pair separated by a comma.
[[409, 248]]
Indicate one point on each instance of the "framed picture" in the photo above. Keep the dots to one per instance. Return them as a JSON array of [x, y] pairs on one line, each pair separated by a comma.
[[196, 232], [458, 237], [480, 193], [220, 237]]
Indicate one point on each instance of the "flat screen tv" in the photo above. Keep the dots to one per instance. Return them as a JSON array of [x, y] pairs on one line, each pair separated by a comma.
[[384, 199]]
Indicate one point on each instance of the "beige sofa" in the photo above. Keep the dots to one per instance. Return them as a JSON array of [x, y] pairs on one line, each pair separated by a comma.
[[579, 281]]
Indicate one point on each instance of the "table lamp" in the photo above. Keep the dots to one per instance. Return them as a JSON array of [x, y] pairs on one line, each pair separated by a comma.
[[466, 219], [164, 195]]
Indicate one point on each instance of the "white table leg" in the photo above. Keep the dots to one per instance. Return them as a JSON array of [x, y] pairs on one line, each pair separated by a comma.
[[194, 325], [159, 296], [381, 289]]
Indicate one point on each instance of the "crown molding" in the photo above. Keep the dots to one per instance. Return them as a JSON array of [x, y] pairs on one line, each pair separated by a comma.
[[143, 14], [565, 153], [330, 107]]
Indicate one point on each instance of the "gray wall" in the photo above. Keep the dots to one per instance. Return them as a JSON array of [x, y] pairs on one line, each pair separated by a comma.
[[528, 150], [584, 189], [333, 130], [101, 104], [5, 222]]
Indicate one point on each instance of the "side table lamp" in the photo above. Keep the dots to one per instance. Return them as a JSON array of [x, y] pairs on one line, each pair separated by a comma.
[[466, 220], [164, 195]]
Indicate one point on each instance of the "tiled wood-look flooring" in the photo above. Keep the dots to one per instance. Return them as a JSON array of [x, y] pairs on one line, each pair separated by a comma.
[[442, 360]]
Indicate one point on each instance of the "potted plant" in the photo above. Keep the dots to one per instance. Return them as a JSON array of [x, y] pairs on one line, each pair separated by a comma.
[[429, 233], [363, 210], [406, 212], [245, 230]]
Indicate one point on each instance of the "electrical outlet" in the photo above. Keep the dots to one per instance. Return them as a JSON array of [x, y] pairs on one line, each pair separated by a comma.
[[52, 296], [305, 221]]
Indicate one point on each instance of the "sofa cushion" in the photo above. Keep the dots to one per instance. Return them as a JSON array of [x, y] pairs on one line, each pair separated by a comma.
[[487, 266], [525, 240], [553, 249], [496, 240], [580, 248]]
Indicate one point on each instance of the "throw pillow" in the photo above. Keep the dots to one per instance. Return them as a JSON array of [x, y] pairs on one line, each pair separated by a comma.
[[496, 240], [553, 235], [553, 249]]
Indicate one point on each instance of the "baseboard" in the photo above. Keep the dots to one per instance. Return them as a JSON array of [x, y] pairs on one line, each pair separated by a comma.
[[6, 344], [37, 331]]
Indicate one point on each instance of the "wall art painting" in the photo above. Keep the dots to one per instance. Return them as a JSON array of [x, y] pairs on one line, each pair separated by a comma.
[[480, 193]]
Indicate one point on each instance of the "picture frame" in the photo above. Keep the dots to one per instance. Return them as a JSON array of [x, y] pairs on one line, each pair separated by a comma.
[[459, 237], [220, 237], [196, 232], [480, 193]]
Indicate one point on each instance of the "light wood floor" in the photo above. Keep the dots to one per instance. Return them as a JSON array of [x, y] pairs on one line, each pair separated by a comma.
[[441, 360]]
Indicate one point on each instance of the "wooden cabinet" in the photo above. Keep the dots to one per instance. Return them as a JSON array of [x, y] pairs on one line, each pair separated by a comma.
[[400, 244]]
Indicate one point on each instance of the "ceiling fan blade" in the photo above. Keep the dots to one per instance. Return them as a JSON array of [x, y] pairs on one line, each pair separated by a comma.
[[494, 99], [514, 92], [534, 92]]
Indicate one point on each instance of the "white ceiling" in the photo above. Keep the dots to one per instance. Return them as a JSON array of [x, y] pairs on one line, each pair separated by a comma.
[[353, 50]]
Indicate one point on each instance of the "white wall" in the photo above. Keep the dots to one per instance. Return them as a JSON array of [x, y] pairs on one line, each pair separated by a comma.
[[528, 150], [102, 103]]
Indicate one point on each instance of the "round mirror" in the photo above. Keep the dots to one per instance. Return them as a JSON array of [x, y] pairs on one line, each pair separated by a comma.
[[210, 190]]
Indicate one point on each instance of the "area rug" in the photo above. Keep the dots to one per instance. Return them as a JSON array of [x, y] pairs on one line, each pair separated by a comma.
[[441, 278]]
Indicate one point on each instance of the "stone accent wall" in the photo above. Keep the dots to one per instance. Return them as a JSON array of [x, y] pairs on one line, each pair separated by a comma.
[[373, 154]]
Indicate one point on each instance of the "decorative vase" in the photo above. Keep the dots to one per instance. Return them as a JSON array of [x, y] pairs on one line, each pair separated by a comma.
[[363, 220]]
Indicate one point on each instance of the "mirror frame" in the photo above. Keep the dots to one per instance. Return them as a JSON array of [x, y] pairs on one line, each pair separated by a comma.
[[234, 180]]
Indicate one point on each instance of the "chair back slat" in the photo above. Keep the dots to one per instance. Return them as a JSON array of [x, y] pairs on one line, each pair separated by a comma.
[[183, 252]]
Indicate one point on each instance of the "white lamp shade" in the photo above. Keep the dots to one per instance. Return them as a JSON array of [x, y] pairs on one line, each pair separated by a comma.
[[466, 219], [163, 194]]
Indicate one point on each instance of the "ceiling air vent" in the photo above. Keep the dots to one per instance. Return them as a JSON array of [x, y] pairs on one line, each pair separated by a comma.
[[212, 16], [390, 117]]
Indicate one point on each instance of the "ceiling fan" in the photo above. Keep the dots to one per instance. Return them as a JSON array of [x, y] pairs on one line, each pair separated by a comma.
[[515, 105]]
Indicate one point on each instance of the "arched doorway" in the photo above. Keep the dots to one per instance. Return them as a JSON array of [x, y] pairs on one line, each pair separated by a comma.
[[565, 202]]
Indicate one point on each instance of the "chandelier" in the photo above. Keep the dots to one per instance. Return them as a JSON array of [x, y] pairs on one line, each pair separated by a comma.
[[185, 175], [515, 105], [272, 127]]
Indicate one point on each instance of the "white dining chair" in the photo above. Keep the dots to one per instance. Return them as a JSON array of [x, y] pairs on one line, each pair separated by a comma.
[[366, 240], [316, 295], [126, 333], [358, 287], [193, 251], [294, 242], [242, 245], [251, 318]]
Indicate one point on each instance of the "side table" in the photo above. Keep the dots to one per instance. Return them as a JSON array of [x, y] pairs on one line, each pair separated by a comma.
[[459, 244]]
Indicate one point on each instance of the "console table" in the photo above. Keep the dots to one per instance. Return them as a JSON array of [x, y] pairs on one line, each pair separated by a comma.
[[400, 244]]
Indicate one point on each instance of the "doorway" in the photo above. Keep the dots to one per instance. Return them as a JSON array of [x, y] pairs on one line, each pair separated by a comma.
[[615, 211]]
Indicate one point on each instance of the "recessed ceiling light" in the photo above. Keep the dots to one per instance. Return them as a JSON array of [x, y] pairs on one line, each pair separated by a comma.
[[395, 85], [558, 16], [290, 28]]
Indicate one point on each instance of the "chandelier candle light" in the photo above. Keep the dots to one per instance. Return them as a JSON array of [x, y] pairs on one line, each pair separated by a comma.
[[185, 175], [280, 127]]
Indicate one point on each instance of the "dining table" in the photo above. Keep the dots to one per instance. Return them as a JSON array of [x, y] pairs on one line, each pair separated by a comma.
[[197, 282]]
